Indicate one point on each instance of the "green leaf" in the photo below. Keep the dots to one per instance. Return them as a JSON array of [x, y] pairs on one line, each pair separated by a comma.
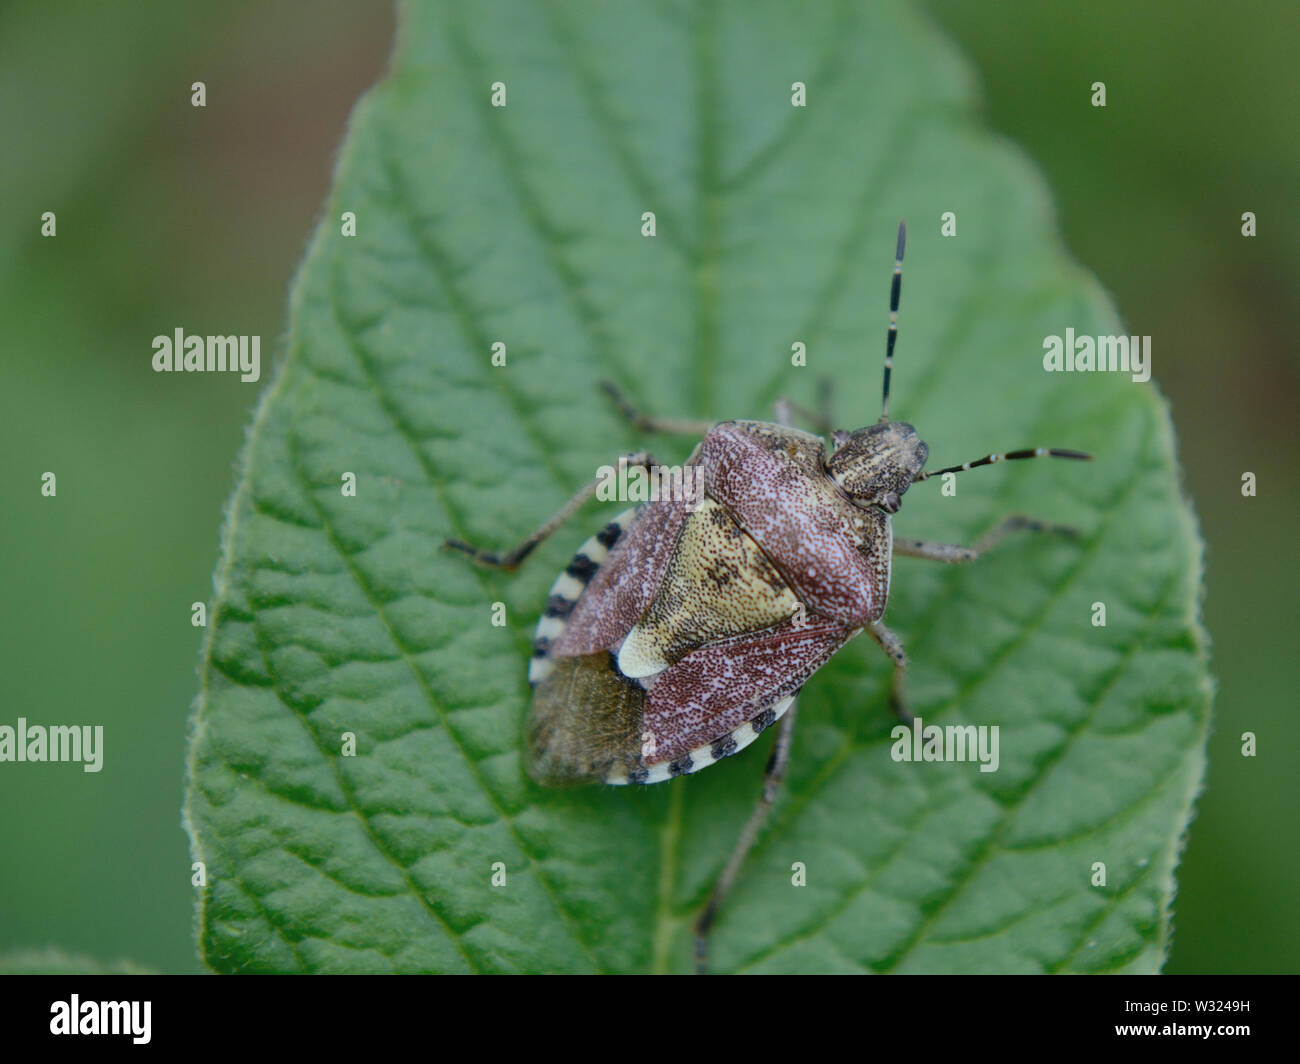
[[775, 224]]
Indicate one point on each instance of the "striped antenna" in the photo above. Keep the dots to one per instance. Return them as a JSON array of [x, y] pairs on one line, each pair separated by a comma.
[[895, 290], [1009, 456]]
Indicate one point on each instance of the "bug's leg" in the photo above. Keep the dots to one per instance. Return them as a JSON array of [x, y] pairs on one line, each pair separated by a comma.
[[648, 423], [951, 552], [772, 777], [511, 559], [889, 642], [785, 410], [825, 391]]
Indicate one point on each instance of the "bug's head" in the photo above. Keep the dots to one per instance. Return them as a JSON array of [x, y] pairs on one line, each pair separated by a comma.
[[875, 466]]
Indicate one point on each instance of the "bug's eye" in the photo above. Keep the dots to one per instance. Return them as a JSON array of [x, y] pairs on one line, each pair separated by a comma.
[[890, 502]]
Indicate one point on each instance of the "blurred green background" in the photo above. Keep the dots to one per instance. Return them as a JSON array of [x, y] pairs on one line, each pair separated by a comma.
[[172, 216]]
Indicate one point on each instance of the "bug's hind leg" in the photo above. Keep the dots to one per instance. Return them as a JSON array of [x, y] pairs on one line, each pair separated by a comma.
[[951, 552], [648, 423], [773, 775], [511, 559], [889, 642]]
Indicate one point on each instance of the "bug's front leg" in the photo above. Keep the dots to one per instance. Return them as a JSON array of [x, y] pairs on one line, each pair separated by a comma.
[[773, 775], [889, 642], [649, 423], [511, 559], [951, 552], [785, 410]]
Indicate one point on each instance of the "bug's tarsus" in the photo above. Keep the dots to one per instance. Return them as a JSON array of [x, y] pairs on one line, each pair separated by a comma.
[[898, 700], [512, 559], [895, 292], [773, 775], [1006, 456], [491, 559], [647, 422], [1020, 523]]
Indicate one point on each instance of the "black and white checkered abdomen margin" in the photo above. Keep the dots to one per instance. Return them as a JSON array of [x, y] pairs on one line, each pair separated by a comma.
[[568, 588]]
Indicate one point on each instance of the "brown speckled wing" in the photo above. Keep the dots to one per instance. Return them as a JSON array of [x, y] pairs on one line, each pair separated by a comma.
[[717, 688]]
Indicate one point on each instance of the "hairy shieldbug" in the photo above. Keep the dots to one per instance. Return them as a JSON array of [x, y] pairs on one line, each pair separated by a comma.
[[680, 632]]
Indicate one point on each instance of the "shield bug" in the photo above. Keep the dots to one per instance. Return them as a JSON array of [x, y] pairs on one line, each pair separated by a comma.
[[687, 626]]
